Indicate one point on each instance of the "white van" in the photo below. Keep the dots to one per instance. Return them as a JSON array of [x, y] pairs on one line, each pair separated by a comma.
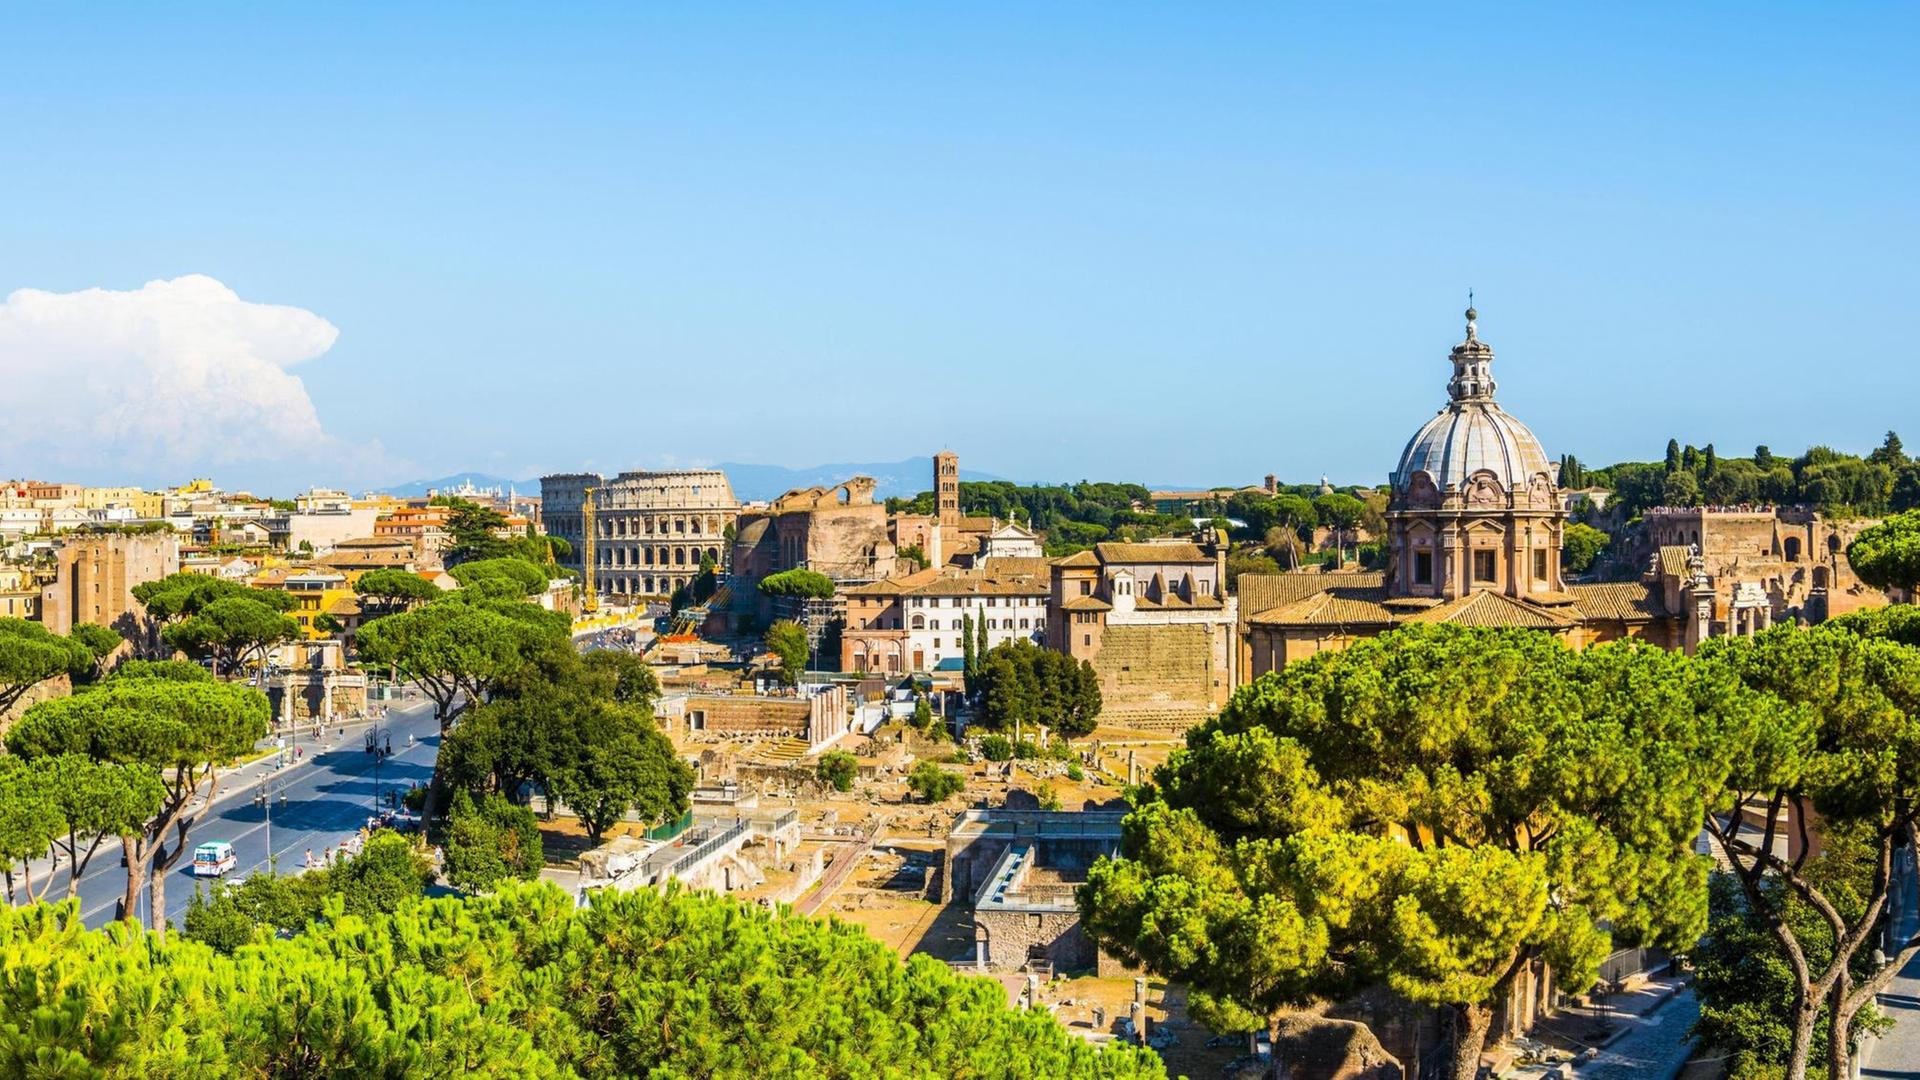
[[215, 858]]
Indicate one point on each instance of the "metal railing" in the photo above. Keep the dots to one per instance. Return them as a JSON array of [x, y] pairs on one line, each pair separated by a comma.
[[708, 847]]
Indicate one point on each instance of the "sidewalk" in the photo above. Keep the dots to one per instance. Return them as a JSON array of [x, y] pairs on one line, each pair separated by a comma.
[[1641, 1033], [1654, 1045]]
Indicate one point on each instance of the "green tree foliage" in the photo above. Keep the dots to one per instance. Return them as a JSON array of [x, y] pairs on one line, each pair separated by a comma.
[[180, 595], [706, 581], [913, 558], [1831, 482], [500, 577], [934, 784], [472, 532], [29, 822], [1245, 562], [170, 670], [178, 732], [923, 718], [521, 983], [458, 652], [1021, 681], [1073, 516], [490, 841], [232, 631], [392, 590], [1434, 808], [837, 769], [96, 802], [1887, 555], [580, 729], [1580, 545], [1746, 984], [970, 658], [621, 677], [810, 584], [99, 641], [30, 654], [996, 747], [1843, 743], [389, 874], [787, 640]]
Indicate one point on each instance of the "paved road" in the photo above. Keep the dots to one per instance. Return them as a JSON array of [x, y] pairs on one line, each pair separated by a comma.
[[1898, 1052], [330, 793], [1654, 1049]]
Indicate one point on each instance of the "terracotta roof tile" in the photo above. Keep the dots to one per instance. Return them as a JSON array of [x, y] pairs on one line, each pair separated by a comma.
[[1673, 560], [1623, 601], [1086, 603], [1261, 593], [1484, 607], [1079, 558], [1337, 606], [1182, 552]]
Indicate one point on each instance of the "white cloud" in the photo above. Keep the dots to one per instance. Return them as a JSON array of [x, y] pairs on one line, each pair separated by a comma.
[[174, 378]]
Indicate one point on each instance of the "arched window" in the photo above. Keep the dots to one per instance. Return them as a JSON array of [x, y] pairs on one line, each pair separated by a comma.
[[1793, 549], [679, 556], [919, 622]]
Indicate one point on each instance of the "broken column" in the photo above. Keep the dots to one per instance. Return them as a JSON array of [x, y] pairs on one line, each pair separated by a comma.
[[1138, 1010], [1033, 990]]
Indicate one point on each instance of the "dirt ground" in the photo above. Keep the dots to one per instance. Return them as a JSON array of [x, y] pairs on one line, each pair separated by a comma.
[[885, 893]]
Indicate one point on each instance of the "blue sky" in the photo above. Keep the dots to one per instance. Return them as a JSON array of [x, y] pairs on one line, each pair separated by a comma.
[[1170, 243]]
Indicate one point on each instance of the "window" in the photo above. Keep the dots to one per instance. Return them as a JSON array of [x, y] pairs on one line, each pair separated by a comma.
[[919, 622], [1086, 588], [1086, 639], [1540, 564], [936, 648], [1423, 568], [1023, 624], [1483, 566]]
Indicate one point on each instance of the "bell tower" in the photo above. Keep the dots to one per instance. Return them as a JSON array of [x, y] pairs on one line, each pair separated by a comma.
[[946, 488]]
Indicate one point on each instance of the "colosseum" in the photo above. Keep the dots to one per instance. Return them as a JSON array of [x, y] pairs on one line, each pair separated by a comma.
[[652, 528]]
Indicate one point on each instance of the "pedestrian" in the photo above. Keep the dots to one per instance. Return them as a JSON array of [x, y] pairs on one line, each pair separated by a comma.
[[389, 745], [308, 864], [327, 859]]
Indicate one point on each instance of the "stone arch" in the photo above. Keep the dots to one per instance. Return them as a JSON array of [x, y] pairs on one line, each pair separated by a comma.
[[1793, 549]]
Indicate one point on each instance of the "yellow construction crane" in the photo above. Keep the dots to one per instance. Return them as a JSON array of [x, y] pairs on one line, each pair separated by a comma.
[[590, 584]]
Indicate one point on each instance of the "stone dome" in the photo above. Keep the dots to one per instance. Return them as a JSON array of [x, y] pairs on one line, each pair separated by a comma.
[[1472, 434]]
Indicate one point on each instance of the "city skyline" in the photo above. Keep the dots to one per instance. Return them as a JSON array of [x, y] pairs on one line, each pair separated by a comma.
[[1202, 248]]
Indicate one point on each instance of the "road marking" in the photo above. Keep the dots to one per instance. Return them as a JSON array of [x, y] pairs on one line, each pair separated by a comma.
[[367, 767]]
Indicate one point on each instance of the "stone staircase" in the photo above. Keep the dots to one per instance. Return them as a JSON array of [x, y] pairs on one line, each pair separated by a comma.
[[788, 751], [1165, 721]]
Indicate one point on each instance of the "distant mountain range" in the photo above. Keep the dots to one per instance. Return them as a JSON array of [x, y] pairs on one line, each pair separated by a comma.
[[418, 489], [891, 478], [903, 479]]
